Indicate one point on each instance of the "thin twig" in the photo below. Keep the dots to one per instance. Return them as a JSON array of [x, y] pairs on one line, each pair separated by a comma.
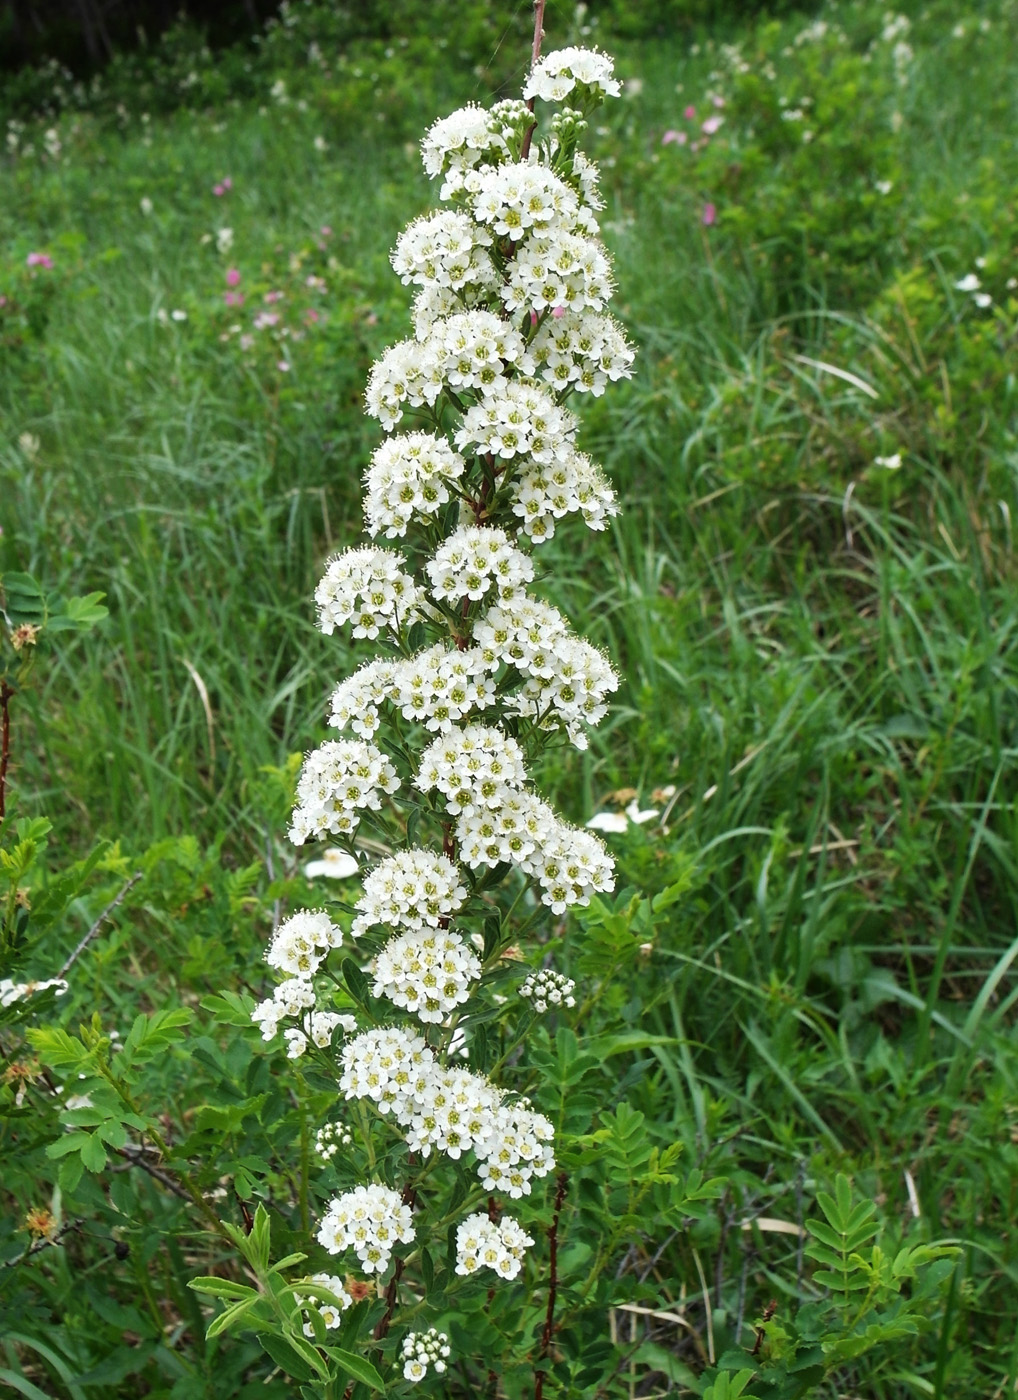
[[549, 1317], [135, 1157], [382, 1327], [99, 923], [535, 55], [5, 740], [40, 1245]]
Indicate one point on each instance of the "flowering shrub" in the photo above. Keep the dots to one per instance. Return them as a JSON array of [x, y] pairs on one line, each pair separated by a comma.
[[424, 1024]]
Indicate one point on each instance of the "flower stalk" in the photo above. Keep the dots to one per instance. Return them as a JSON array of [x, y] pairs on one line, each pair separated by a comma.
[[420, 1004]]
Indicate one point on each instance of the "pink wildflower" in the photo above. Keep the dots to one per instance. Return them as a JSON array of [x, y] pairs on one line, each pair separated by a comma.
[[678, 138], [311, 316], [558, 312], [271, 297], [232, 276], [282, 365], [234, 298], [689, 113], [710, 215], [223, 185], [39, 260], [265, 318], [246, 341], [711, 125], [325, 231], [718, 101]]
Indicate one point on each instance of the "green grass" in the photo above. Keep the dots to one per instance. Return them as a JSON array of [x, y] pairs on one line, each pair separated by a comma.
[[819, 653]]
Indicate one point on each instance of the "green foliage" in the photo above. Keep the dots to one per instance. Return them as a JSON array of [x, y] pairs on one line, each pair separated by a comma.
[[817, 976]]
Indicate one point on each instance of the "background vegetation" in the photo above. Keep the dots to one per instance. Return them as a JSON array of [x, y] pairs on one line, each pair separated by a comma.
[[812, 599]]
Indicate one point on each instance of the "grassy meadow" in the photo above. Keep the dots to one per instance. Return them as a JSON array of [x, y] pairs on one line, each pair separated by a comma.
[[810, 596]]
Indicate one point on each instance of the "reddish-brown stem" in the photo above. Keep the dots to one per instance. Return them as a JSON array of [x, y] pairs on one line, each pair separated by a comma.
[[382, 1326], [535, 55], [5, 740], [549, 1317]]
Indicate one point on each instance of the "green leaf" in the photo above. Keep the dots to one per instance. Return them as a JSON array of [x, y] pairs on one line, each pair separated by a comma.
[[78, 614], [22, 600], [226, 1320], [93, 1155], [356, 1366], [221, 1287], [356, 982], [288, 1358]]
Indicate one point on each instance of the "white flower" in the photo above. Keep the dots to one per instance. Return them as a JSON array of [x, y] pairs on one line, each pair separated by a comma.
[[424, 1349], [892, 463], [472, 559], [615, 822], [428, 972], [568, 269], [518, 200], [178, 315], [544, 494], [583, 350], [301, 942], [408, 480], [146, 205], [519, 420], [546, 988], [357, 701], [330, 1313], [444, 249], [370, 1220], [368, 587], [634, 813], [329, 1138], [480, 1243], [224, 239], [339, 780], [334, 864], [317, 1029], [472, 767], [412, 889], [556, 74], [969, 283], [983, 299], [441, 686], [10, 991]]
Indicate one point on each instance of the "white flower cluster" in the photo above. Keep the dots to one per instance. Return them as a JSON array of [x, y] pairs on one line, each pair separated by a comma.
[[546, 988], [424, 1349], [356, 701], [569, 864], [519, 420], [567, 680], [545, 494], [408, 480], [474, 557], [441, 686], [453, 1110], [472, 767], [287, 1001], [369, 1220], [329, 1138], [568, 270], [582, 351], [317, 1028], [330, 1313], [11, 991], [428, 972], [468, 351], [412, 889], [338, 781], [300, 943], [480, 1243], [294, 999], [366, 586], [517, 200], [444, 249], [555, 76]]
